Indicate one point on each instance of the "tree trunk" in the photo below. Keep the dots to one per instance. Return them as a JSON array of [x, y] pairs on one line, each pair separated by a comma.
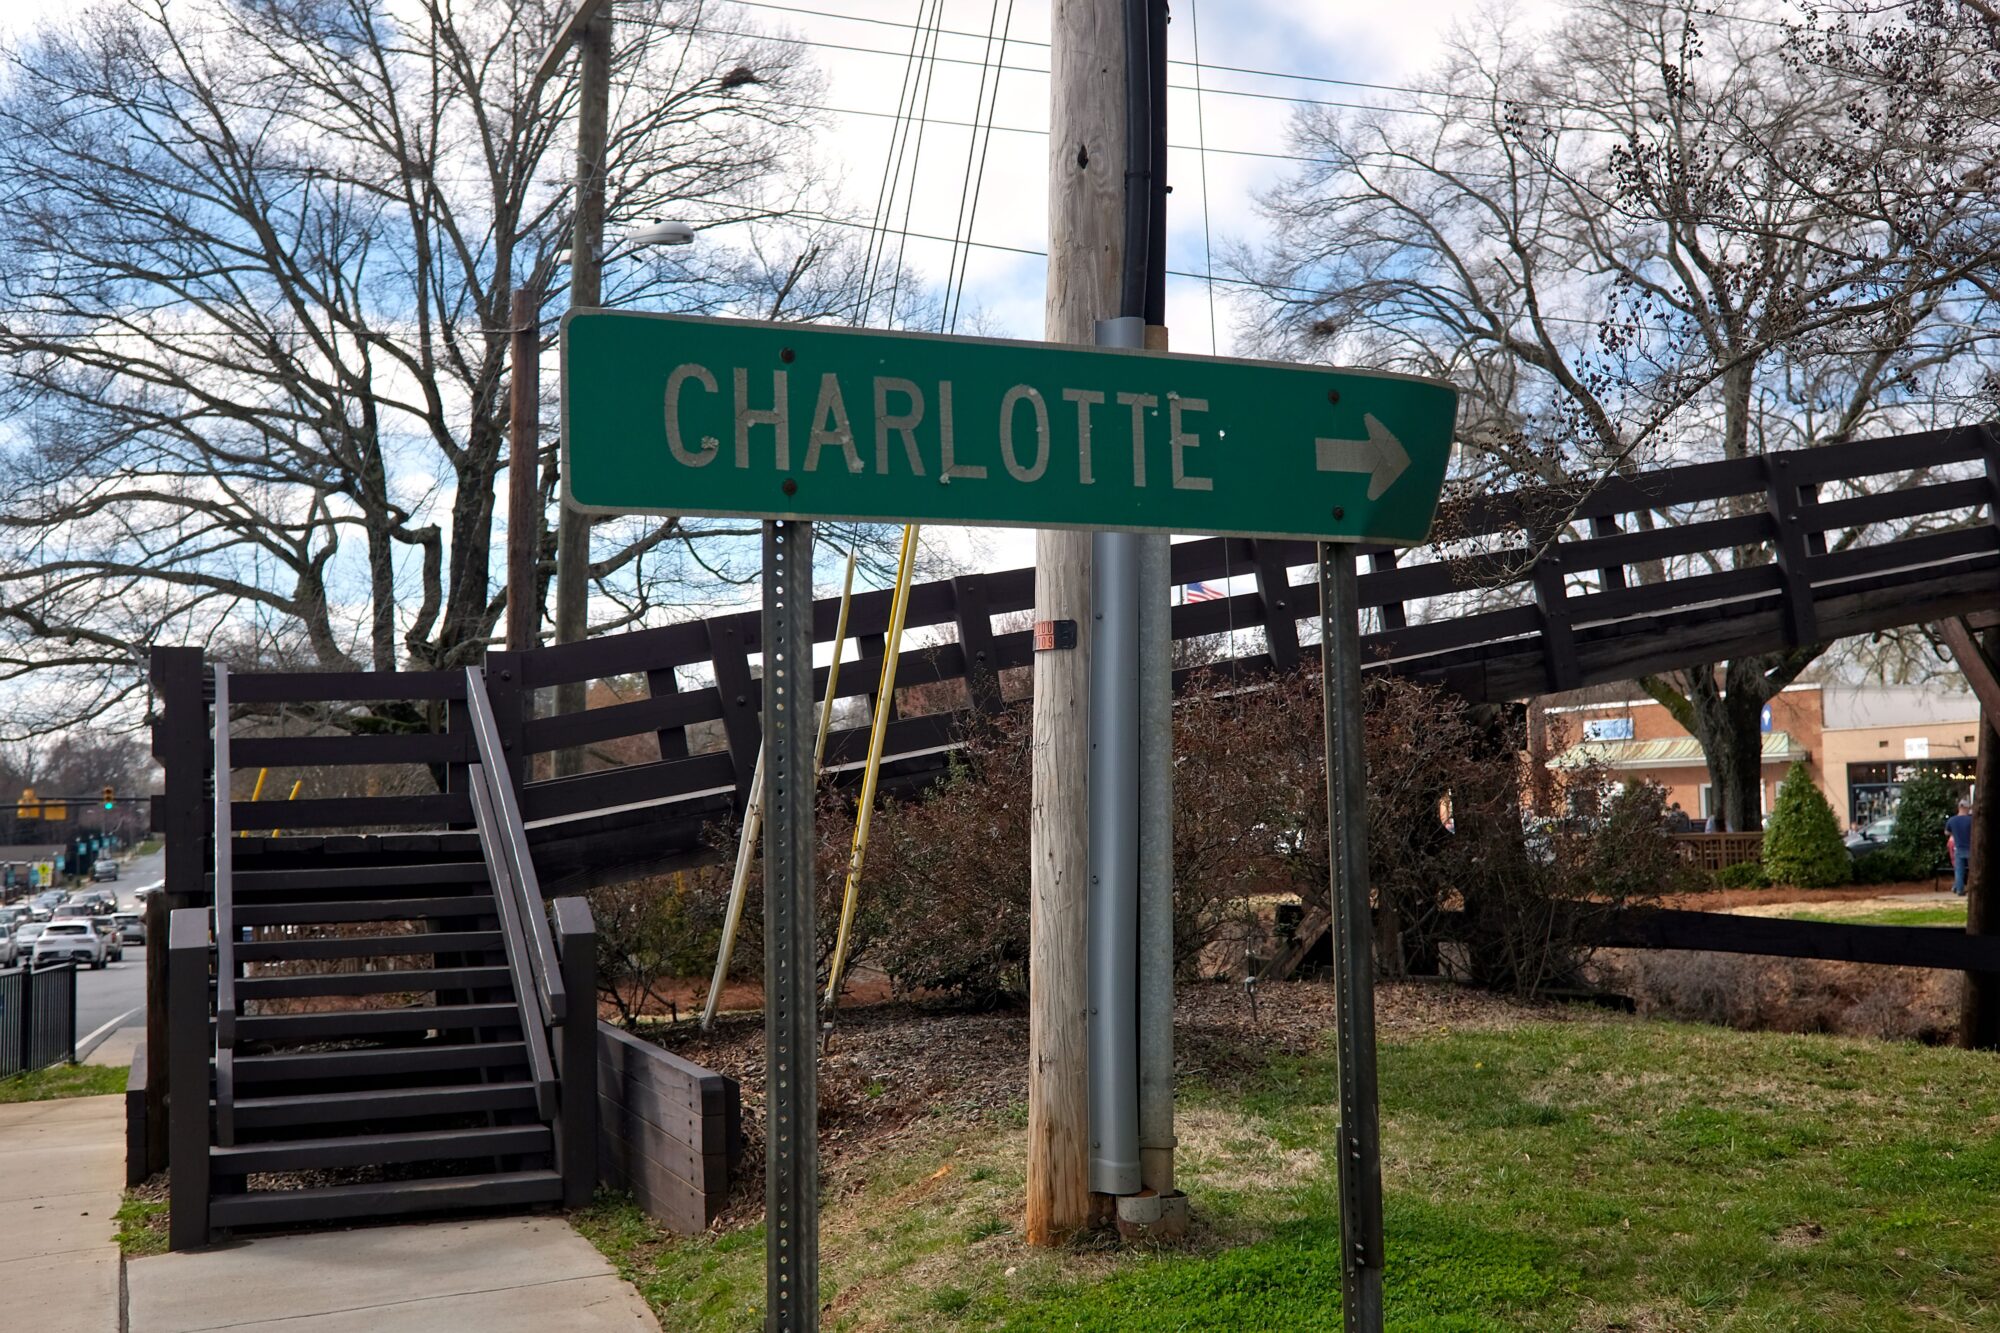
[[1979, 1010], [382, 595], [1729, 727]]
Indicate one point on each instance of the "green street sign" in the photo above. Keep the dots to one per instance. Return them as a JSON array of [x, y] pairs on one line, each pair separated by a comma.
[[672, 414]]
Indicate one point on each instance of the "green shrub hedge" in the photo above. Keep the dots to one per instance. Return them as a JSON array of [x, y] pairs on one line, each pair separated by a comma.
[[1802, 844], [1743, 875]]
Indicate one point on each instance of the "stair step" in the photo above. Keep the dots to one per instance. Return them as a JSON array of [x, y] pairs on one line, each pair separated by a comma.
[[437, 1056], [370, 946], [360, 1022], [362, 909], [372, 983], [327, 1108], [250, 881], [284, 1207], [424, 1145]]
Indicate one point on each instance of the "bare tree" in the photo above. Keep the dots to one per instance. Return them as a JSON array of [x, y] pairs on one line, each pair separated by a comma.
[[1627, 239], [254, 323]]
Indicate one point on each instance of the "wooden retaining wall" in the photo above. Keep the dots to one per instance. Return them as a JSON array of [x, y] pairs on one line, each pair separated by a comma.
[[668, 1131]]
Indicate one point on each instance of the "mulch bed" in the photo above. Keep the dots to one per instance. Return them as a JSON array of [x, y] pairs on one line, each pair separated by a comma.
[[893, 1071]]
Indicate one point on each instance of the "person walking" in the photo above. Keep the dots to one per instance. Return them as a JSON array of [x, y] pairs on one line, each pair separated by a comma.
[[1959, 829]]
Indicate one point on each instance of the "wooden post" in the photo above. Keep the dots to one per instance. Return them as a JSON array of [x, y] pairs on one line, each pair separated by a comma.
[[1086, 218], [190, 1046], [157, 1059], [576, 1051], [1979, 1012], [586, 274], [524, 521], [180, 743]]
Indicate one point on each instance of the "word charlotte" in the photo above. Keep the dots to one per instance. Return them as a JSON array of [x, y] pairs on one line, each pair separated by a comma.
[[805, 424]]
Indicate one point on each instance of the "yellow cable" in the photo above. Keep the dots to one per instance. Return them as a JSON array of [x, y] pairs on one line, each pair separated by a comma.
[[877, 736], [753, 818], [833, 667], [255, 793]]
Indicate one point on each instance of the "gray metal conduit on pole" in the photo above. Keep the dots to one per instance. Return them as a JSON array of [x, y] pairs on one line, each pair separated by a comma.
[[1156, 869], [1113, 954]]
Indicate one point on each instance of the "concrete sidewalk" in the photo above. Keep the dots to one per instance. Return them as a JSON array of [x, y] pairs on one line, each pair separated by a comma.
[[62, 1177], [499, 1275]]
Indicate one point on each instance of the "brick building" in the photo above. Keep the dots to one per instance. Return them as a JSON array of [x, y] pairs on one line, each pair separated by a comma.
[[1859, 742]]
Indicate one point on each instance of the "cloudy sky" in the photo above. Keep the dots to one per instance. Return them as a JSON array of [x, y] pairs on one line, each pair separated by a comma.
[[1278, 50], [1240, 117]]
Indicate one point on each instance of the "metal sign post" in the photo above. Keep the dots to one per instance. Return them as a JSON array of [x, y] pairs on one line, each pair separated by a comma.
[[1360, 1144], [787, 423], [791, 1072]]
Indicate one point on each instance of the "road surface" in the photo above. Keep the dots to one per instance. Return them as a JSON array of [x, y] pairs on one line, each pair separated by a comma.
[[116, 996]]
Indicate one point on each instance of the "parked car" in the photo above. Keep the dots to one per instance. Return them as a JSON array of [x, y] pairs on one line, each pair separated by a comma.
[[25, 936], [114, 942], [15, 915], [73, 941], [131, 927], [1870, 837], [10, 952], [75, 912], [105, 869]]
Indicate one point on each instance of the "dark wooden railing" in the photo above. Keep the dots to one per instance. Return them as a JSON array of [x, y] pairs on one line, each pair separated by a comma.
[[1717, 851], [225, 922], [517, 896], [1521, 594]]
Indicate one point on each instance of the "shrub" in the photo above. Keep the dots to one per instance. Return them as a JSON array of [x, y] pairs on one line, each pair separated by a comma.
[[1917, 836], [1743, 875], [1802, 843], [655, 929], [1886, 865]]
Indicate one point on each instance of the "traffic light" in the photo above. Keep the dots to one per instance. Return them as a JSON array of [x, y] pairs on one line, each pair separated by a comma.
[[110, 798]]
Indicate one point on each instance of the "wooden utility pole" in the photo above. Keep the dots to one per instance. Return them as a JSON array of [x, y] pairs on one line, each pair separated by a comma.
[[591, 31], [1086, 218], [524, 527], [1979, 1011]]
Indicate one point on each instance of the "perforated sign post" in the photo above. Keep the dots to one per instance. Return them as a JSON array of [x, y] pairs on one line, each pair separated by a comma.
[[788, 423]]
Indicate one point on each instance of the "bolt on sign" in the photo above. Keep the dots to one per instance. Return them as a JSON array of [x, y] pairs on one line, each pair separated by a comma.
[[675, 414]]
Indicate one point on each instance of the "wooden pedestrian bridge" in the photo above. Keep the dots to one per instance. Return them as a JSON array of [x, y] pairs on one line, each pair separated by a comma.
[[306, 927]]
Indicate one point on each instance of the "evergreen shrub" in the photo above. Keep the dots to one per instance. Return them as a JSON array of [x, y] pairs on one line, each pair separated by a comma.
[[1802, 844], [1743, 875]]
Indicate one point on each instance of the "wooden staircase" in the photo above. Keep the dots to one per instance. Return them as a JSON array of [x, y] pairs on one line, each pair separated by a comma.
[[379, 1036]]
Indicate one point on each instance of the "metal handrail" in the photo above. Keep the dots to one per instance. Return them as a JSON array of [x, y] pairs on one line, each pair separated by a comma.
[[225, 923], [502, 832], [507, 903]]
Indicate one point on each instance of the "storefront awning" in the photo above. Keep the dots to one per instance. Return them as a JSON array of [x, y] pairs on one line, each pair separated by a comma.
[[1676, 752]]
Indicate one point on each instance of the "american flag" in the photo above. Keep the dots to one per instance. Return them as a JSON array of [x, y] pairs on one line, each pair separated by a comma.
[[1203, 592]]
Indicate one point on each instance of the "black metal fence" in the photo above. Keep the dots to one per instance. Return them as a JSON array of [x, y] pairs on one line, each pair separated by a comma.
[[37, 1017]]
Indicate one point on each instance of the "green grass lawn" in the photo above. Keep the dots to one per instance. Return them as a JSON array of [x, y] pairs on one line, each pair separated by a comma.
[[41, 1085], [1598, 1174], [1923, 914]]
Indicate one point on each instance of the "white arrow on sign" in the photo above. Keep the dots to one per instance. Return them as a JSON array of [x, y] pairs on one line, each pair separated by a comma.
[[1381, 456]]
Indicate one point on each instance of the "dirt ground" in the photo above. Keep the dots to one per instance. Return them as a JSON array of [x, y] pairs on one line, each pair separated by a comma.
[[895, 1069], [1727, 900], [1786, 994]]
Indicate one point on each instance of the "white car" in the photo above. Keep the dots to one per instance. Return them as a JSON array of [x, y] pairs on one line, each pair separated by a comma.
[[10, 952], [75, 939]]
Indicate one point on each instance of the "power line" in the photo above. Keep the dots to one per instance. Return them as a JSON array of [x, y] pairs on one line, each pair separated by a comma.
[[824, 45], [979, 184], [1201, 146], [1322, 79]]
